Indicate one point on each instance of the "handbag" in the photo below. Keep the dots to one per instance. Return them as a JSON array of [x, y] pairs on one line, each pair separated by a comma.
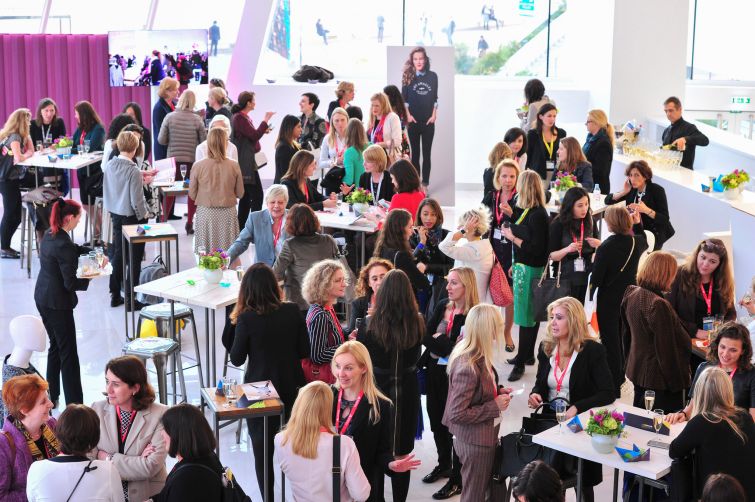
[[9, 171], [333, 179], [260, 159], [547, 290], [499, 288], [88, 468], [336, 468], [231, 491], [314, 371]]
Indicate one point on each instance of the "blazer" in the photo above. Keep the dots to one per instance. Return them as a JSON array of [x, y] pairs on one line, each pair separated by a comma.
[[537, 156], [57, 283], [359, 308], [590, 382], [471, 408], [159, 111], [442, 345], [656, 345], [584, 174], [13, 475], [599, 153], [274, 345], [533, 230], [655, 199], [246, 137], [297, 256], [182, 131], [258, 230], [216, 183], [283, 154], [684, 305], [296, 196], [145, 475]]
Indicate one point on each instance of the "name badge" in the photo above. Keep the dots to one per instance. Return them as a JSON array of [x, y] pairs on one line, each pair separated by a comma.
[[708, 323], [497, 235], [550, 165], [579, 265]]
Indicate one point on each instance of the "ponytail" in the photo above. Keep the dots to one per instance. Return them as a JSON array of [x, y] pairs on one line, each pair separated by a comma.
[[611, 134], [60, 209]]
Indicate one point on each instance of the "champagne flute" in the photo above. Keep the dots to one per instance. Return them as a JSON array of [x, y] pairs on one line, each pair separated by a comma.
[[560, 408], [657, 422], [649, 400], [87, 146], [183, 172], [99, 256]]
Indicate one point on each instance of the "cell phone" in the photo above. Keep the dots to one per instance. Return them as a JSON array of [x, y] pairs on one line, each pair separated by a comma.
[[658, 444], [384, 204], [270, 127]]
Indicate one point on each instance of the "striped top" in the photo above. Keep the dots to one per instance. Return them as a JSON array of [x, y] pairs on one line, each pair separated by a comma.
[[324, 335]]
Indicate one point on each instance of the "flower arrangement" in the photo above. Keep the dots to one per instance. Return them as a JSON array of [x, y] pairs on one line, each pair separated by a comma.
[[359, 196], [62, 142], [734, 179], [564, 181], [214, 260], [605, 422]]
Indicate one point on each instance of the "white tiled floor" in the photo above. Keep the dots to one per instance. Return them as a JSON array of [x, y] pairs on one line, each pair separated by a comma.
[[100, 335]]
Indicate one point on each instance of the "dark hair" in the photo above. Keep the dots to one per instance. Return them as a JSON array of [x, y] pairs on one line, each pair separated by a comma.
[[538, 482], [722, 487], [565, 215], [44, 103], [673, 99], [397, 101], [354, 112], [131, 370], [722, 277], [217, 82], [259, 292], [642, 167], [78, 430], [512, 135], [396, 323], [408, 73], [244, 98], [286, 131], [542, 111], [134, 128], [301, 220], [392, 234], [88, 118], [435, 206], [733, 331], [118, 123], [137, 111], [60, 209], [406, 176], [190, 434], [534, 90], [313, 99]]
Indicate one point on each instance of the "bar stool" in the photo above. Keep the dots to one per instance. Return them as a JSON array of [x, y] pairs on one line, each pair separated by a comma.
[[28, 239], [160, 314], [227, 364], [98, 211], [159, 349]]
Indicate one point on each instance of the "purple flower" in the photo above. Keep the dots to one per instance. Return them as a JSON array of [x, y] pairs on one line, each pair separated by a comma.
[[617, 416]]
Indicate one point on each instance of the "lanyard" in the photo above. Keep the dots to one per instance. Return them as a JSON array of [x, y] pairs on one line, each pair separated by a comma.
[[276, 235], [82, 137], [559, 381], [46, 134], [338, 152], [131, 421], [378, 130], [306, 192], [731, 375], [376, 193], [581, 237], [521, 218], [172, 106], [351, 413], [450, 325], [338, 324], [549, 146], [709, 297], [499, 213]]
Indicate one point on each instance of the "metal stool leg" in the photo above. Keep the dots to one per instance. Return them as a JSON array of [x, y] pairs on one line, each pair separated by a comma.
[[162, 380], [196, 349], [138, 331], [23, 232], [184, 396], [225, 364]]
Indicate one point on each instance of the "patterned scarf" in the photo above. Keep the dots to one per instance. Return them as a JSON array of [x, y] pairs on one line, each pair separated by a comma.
[[50, 442], [125, 419]]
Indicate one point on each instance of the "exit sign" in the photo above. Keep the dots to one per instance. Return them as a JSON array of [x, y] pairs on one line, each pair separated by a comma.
[[526, 7], [740, 100]]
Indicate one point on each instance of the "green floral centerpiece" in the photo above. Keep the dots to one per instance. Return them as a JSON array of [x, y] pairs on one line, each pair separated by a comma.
[[212, 265], [564, 181], [604, 428], [735, 179], [62, 145], [359, 198]]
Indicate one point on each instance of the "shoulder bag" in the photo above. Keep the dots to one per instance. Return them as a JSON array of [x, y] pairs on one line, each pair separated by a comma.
[[336, 468], [231, 491], [499, 288], [88, 468], [546, 290], [9, 171], [317, 372]]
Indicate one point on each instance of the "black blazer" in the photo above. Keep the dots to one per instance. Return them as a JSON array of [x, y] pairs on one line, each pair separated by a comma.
[[536, 152], [296, 196], [160, 110], [590, 382], [404, 261], [599, 153], [358, 309], [487, 181], [187, 481], [57, 283], [443, 345], [533, 231], [655, 199], [283, 154], [386, 187], [275, 344], [684, 305]]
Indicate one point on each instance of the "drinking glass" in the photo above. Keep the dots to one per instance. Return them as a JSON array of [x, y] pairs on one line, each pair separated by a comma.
[[560, 408], [38, 144], [649, 399], [99, 254], [229, 389], [240, 273], [657, 422], [183, 172], [87, 146]]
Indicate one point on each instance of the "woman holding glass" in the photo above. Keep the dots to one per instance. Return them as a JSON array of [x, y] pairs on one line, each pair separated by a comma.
[[543, 141]]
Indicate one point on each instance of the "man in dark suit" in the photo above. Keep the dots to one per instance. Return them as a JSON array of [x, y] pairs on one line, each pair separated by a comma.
[[681, 134], [214, 37]]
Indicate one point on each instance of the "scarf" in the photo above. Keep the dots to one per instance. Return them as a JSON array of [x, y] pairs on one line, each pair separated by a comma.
[[592, 138], [50, 442]]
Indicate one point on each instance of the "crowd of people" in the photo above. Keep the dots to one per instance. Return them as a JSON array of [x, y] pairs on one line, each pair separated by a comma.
[[425, 309]]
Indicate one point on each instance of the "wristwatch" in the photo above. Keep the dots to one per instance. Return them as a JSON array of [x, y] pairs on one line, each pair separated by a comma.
[[463, 231]]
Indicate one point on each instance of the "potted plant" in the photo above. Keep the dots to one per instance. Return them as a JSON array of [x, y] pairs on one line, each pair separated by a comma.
[[360, 199], [62, 146], [563, 182], [734, 183], [212, 265], [604, 428]]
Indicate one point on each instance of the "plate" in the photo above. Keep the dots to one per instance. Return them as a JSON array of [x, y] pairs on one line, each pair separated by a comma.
[[105, 271]]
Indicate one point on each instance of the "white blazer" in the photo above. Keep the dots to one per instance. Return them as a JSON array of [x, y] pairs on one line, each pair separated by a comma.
[[391, 130], [54, 480], [477, 255]]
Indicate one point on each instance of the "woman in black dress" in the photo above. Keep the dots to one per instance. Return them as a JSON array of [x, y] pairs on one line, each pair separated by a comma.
[[428, 233], [598, 148], [543, 141], [393, 245], [394, 340], [286, 145], [368, 282]]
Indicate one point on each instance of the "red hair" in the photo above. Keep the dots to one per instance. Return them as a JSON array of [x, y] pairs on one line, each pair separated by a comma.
[[21, 393], [60, 209]]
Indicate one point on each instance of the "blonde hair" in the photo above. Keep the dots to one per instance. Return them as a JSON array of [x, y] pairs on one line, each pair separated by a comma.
[[332, 134], [601, 120], [576, 323], [18, 123], [166, 85], [376, 155], [355, 135], [312, 409], [481, 329], [318, 279], [217, 140], [714, 399], [385, 108], [369, 387], [469, 280], [499, 152], [530, 188], [343, 88], [187, 101], [500, 166], [219, 95], [482, 214], [128, 142]]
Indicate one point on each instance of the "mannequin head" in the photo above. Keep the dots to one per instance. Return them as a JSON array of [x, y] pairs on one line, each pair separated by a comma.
[[28, 333]]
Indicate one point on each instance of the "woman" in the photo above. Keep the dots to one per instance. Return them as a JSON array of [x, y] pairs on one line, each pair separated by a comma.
[[89, 129], [516, 138], [217, 104], [304, 451], [375, 179], [14, 139], [46, 128], [324, 283], [123, 197], [704, 288], [442, 331], [731, 350], [333, 146], [344, 96], [573, 240], [406, 187], [222, 122], [718, 433], [109, 149], [571, 160], [419, 88], [260, 311], [266, 229], [399, 108], [167, 93], [197, 475], [647, 198], [534, 99], [723, 488], [132, 108], [655, 342], [572, 366], [598, 148], [393, 245], [356, 143], [215, 186], [501, 202], [384, 126], [28, 433], [615, 269], [55, 297], [300, 188], [130, 432], [219, 83], [71, 474], [538, 482], [475, 400], [543, 141], [286, 145], [474, 252], [529, 235], [368, 283], [369, 425], [304, 247], [246, 137], [394, 340], [182, 130], [501, 151]]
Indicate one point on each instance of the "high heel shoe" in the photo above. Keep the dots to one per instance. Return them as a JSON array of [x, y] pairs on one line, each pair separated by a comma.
[[189, 228]]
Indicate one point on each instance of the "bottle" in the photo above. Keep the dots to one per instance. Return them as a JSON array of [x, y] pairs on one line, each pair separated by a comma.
[[596, 195]]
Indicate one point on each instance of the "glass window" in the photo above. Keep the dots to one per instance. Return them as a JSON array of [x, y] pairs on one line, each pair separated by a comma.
[[96, 16], [21, 17]]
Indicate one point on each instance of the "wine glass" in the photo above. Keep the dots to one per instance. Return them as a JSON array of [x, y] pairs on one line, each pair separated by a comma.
[[87, 146], [657, 422], [184, 167], [560, 408], [99, 253], [649, 400]]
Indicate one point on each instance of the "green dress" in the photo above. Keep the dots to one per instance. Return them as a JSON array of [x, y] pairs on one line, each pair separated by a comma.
[[524, 313]]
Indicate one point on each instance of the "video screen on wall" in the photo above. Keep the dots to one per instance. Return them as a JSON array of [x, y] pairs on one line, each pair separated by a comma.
[[144, 58]]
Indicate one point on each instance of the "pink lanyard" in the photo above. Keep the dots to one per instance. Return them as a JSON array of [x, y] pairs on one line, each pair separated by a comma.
[[351, 414], [709, 297], [581, 237]]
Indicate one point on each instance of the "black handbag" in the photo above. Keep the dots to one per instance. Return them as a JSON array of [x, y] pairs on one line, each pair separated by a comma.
[[546, 290], [9, 171], [331, 182]]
